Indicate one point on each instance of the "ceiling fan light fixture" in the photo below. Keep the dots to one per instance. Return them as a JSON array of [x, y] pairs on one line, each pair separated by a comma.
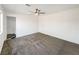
[[36, 14]]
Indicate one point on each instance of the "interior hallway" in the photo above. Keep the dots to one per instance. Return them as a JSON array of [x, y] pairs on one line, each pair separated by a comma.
[[39, 44]]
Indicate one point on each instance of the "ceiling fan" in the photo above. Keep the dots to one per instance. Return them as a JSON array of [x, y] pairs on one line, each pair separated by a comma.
[[36, 12]]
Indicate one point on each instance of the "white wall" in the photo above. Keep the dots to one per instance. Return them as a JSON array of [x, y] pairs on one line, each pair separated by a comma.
[[25, 24], [0, 22], [64, 25], [3, 34], [11, 25]]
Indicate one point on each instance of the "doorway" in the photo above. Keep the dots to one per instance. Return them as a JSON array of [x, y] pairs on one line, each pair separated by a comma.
[[11, 27]]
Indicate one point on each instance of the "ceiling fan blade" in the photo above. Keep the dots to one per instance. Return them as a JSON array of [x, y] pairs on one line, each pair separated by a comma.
[[41, 12], [28, 5], [31, 12]]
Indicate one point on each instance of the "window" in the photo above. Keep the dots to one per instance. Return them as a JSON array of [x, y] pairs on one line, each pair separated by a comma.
[[1, 22]]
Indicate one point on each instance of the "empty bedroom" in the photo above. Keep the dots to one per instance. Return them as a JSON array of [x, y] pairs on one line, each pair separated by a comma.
[[39, 29]]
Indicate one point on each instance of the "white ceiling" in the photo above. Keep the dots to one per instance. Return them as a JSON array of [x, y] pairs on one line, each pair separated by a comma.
[[48, 8]]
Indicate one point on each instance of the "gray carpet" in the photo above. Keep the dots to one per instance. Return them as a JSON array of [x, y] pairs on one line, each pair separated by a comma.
[[39, 44]]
